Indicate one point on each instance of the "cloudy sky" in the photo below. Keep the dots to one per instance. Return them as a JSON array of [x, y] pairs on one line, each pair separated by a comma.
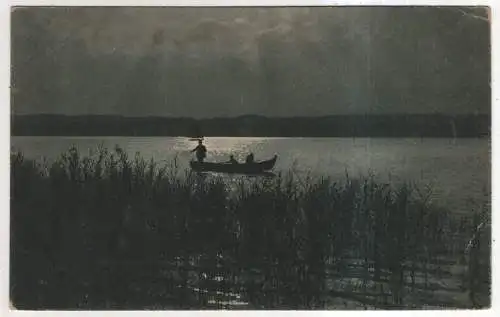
[[205, 62]]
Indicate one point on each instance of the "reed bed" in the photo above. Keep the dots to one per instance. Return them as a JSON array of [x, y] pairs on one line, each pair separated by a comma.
[[106, 231]]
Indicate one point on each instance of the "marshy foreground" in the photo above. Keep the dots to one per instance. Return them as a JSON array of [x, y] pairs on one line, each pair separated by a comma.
[[111, 232]]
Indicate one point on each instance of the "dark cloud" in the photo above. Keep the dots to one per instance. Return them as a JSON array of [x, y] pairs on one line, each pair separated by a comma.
[[231, 61]]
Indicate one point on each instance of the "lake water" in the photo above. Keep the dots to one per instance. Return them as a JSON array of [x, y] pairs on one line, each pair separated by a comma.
[[457, 169]]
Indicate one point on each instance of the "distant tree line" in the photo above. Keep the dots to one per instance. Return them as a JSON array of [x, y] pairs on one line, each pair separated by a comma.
[[394, 125]]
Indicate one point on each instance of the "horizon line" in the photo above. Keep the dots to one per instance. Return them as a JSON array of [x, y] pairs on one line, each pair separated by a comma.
[[257, 115]]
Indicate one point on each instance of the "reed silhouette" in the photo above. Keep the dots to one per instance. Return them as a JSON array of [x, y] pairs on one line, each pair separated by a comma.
[[106, 231]]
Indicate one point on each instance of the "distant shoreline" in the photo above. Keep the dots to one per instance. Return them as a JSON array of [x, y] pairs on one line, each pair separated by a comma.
[[390, 125]]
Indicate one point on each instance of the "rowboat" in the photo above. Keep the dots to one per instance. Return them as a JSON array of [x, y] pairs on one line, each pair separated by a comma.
[[243, 168]]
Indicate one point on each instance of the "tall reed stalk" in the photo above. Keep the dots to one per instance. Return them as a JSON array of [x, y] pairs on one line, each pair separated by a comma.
[[106, 231]]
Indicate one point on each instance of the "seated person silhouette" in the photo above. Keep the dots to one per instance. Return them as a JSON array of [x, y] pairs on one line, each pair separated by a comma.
[[250, 158], [232, 160]]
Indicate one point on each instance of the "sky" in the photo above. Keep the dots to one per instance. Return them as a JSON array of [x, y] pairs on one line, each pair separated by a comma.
[[211, 62]]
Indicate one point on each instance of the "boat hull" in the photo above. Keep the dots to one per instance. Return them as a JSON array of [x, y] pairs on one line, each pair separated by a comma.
[[246, 168]]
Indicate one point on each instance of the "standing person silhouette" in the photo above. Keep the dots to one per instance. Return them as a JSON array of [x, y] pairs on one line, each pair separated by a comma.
[[201, 151]]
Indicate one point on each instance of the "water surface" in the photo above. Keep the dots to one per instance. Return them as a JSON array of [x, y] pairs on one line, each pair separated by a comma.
[[458, 170]]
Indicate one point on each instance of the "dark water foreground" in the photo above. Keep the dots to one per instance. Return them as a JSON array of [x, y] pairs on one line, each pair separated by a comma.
[[109, 232]]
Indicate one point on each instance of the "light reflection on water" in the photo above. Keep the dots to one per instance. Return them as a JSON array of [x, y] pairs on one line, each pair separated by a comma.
[[458, 170]]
